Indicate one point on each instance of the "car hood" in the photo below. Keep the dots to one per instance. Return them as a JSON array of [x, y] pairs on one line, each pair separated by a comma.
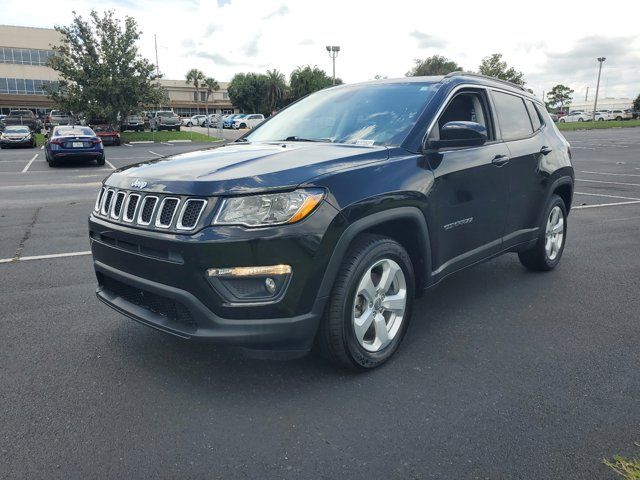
[[244, 168]]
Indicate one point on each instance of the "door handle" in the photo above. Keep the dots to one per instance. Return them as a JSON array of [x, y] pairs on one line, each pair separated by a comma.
[[546, 150], [500, 160]]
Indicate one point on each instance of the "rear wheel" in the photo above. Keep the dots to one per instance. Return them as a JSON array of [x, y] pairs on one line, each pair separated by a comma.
[[618, 118], [370, 305], [100, 161], [581, 120], [562, 120], [547, 251]]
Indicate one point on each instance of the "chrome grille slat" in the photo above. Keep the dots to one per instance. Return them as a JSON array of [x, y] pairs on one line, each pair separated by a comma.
[[130, 207], [166, 212], [117, 202], [190, 213], [147, 209]]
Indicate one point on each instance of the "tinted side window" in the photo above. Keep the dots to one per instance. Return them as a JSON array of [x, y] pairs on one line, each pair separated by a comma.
[[512, 115], [533, 113]]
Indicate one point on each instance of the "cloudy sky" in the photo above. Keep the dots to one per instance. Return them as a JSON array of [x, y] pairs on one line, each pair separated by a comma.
[[550, 41]]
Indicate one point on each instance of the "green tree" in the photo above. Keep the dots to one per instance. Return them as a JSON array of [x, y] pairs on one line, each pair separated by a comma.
[[559, 96], [211, 85], [434, 65], [304, 81], [494, 66], [636, 104], [276, 88], [195, 77], [248, 91], [101, 71]]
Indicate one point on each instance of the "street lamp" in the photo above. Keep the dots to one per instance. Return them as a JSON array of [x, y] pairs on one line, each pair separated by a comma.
[[595, 104], [333, 53]]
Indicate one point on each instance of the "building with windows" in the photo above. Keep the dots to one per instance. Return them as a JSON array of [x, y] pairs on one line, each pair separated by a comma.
[[24, 73]]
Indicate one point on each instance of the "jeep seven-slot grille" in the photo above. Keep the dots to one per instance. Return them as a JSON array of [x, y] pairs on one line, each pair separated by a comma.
[[152, 211]]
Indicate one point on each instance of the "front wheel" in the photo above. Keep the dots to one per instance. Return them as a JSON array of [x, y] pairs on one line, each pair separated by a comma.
[[562, 120], [618, 119], [547, 251], [370, 306], [581, 120]]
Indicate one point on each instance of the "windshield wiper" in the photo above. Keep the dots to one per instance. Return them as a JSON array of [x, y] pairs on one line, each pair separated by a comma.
[[295, 138]]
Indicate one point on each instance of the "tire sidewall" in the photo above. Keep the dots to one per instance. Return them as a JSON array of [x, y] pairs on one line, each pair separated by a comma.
[[361, 357]]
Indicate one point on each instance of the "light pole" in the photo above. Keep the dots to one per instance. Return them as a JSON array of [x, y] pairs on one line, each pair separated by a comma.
[[595, 104], [333, 53]]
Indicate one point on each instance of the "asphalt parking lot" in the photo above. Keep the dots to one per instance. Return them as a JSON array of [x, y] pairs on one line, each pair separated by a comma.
[[504, 373]]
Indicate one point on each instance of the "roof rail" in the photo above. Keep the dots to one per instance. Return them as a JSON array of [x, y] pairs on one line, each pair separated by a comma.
[[459, 73]]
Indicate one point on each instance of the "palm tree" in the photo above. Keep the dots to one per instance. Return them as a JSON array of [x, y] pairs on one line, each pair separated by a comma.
[[195, 77], [276, 88], [212, 86]]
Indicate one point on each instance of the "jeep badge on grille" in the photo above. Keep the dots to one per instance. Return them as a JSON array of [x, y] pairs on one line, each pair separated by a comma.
[[139, 184]]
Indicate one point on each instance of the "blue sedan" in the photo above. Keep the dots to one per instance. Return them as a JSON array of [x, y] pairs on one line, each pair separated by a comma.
[[228, 122], [69, 142]]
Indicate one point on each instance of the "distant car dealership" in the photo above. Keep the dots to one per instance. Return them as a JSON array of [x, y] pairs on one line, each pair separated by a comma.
[[24, 73]]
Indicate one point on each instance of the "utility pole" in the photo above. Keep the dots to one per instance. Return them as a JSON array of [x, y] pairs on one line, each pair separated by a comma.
[[595, 104], [586, 95], [155, 40], [333, 53]]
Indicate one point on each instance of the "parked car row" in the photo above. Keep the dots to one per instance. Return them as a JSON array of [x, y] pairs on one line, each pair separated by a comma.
[[600, 115]]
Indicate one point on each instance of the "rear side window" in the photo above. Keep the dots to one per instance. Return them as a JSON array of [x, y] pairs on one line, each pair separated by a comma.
[[512, 115], [534, 115]]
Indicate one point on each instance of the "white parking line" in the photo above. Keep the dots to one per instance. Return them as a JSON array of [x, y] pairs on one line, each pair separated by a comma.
[[44, 257], [48, 186], [612, 183], [110, 164], [607, 196], [30, 162], [614, 174], [154, 153], [605, 205], [42, 147]]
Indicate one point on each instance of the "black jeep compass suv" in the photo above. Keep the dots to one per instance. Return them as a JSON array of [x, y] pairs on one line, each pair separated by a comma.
[[326, 221]]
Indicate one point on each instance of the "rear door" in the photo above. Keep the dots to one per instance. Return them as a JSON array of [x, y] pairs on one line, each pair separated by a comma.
[[468, 203], [522, 129]]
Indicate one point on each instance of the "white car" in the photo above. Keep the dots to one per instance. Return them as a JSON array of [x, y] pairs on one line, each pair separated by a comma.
[[212, 120], [250, 121], [620, 115], [581, 116], [195, 120]]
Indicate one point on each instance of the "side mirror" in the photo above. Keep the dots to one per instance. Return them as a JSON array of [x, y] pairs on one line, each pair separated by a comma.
[[460, 134]]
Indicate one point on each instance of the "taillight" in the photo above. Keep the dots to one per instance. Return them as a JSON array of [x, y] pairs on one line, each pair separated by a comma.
[[57, 141], [96, 141]]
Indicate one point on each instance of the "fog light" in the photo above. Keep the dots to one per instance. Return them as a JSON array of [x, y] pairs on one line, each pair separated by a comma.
[[250, 284], [270, 285]]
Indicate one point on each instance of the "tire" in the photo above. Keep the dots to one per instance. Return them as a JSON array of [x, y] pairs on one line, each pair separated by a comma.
[[243, 125], [580, 120], [618, 119], [539, 258], [561, 120], [100, 161], [337, 339], [601, 119], [190, 124]]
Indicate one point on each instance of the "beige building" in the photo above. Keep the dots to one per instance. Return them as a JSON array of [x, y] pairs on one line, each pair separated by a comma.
[[24, 52]]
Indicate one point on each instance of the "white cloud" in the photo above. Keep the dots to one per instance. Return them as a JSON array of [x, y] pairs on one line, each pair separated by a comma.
[[222, 37]]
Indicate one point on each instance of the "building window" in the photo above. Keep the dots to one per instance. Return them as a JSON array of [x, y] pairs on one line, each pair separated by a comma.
[[195, 96], [21, 86], [24, 56], [203, 96], [225, 95]]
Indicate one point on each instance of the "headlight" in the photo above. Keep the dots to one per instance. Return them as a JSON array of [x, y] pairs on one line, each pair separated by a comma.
[[268, 209]]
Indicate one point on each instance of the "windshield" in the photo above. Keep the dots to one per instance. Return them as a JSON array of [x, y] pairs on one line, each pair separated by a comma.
[[370, 114], [16, 130]]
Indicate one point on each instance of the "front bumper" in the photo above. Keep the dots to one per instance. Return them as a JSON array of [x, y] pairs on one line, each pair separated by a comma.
[[16, 143], [158, 279]]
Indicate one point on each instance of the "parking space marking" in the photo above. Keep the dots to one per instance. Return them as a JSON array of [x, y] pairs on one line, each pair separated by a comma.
[[614, 174], [612, 183], [51, 186], [24, 170], [44, 257], [42, 147], [154, 153], [580, 207], [110, 164], [607, 196]]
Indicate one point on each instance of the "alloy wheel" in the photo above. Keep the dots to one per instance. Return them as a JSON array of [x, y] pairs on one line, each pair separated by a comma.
[[379, 305], [554, 234]]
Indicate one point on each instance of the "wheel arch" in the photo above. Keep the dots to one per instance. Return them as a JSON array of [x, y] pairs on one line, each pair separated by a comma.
[[406, 225]]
